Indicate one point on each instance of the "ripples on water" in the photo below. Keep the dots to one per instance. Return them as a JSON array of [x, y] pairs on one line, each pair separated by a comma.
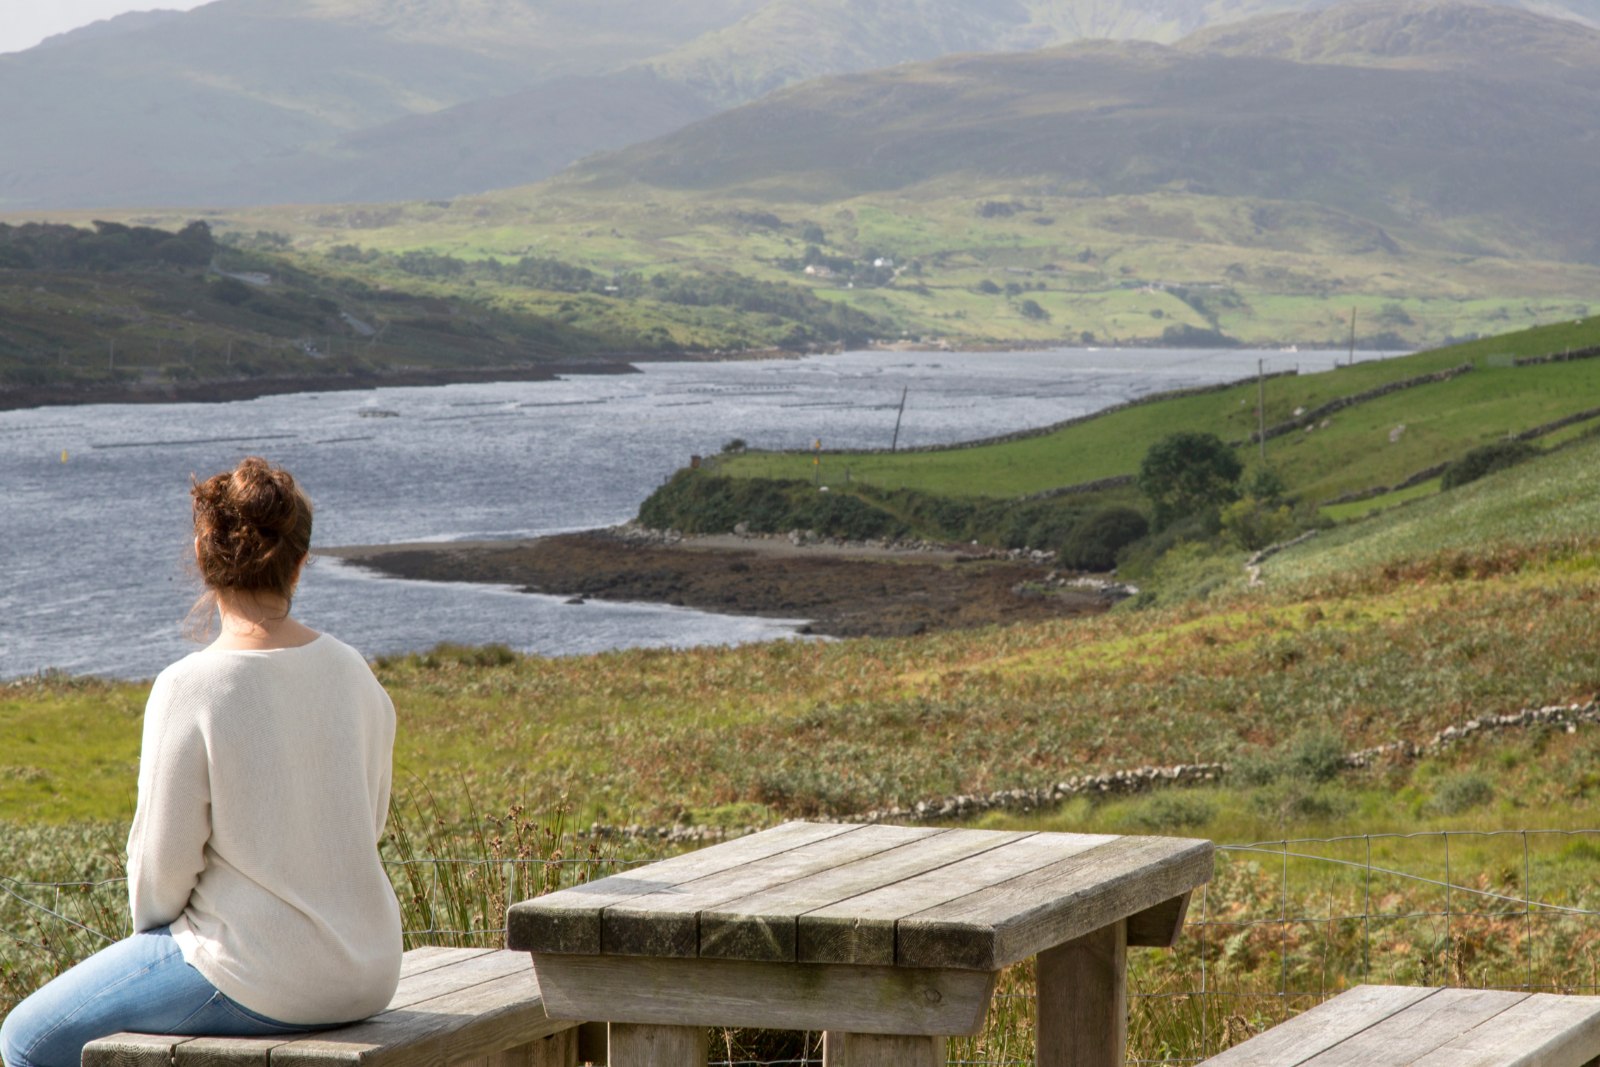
[[93, 548]]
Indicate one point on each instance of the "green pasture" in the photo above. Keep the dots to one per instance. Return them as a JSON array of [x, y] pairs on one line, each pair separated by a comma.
[[1378, 442], [1546, 501], [1107, 265]]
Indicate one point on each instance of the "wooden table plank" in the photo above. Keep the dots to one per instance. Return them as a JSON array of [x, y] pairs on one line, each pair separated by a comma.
[[569, 920], [131, 1050], [429, 957], [1014, 919], [1542, 1031], [776, 996], [461, 973], [1323, 1027], [863, 929], [764, 925], [1420, 1029], [667, 923], [500, 1013]]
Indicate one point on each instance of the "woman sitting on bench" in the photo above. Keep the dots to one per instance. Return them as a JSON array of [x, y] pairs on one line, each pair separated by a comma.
[[259, 900]]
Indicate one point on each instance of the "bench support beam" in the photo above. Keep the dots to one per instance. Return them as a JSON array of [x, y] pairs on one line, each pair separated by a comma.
[[1083, 1000], [843, 1049], [648, 1045]]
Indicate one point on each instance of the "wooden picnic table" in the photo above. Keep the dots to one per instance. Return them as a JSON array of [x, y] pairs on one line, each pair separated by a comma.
[[888, 939]]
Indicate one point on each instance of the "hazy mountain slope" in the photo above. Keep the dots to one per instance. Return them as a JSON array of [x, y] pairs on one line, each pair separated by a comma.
[[111, 27], [174, 111], [1415, 35], [247, 101], [504, 141], [1446, 152]]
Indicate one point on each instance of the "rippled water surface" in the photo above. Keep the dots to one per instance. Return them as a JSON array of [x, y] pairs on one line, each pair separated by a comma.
[[92, 548]]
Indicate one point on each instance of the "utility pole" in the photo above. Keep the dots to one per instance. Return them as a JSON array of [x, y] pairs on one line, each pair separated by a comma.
[[1352, 336], [111, 354], [1261, 408], [893, 444]]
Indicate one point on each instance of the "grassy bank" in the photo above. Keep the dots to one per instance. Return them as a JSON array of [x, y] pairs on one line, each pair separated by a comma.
[[1353, 450]]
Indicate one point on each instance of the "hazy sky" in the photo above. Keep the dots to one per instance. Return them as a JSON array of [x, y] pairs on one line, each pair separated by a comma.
[[24, 23]]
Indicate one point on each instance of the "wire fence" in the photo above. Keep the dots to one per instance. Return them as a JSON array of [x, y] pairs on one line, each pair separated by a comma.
[[1282, 926]]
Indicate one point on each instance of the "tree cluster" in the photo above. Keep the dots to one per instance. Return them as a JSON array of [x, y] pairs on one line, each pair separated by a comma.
[[109, 246]]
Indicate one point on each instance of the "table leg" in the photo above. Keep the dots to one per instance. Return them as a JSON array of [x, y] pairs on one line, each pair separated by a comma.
[[1083, 1000], [841, 1049], [647, 1045]]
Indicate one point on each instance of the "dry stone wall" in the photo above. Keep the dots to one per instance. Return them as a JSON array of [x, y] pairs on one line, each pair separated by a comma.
[[1565, 717]]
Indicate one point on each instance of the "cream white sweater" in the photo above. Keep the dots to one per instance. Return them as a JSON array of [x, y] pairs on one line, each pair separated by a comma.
[[263, 789]]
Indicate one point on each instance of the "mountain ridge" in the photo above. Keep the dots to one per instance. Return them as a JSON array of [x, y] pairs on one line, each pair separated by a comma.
[[245, 101], [1395, 145]]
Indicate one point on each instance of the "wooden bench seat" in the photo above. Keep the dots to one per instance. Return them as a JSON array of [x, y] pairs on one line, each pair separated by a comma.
[[454, 1007], [1391, 1026]]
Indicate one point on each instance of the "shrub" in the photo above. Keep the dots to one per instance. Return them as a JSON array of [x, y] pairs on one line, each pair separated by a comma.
[[230, 291], [1462, 792], [697, 502], [1254, 524], [1315, 756], [1486, 459], [1187, 473], [1172, 810], [1094, 543]]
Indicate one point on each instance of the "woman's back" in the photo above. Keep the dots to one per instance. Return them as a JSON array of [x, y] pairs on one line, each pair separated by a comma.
[[260, 904], [270, 769]]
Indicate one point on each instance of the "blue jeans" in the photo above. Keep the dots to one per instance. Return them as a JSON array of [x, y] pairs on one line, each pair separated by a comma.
[[140, 984]]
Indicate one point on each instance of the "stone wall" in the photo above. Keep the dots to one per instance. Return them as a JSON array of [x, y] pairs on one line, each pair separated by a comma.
[[1567, 717]]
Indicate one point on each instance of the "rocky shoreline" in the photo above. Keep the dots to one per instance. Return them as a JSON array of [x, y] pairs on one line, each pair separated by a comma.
[[845, 589]]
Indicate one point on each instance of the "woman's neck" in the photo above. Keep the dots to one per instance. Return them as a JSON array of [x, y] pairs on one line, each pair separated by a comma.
[[258, 621]]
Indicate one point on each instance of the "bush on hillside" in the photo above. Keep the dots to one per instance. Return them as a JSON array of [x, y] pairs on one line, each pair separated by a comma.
[[696, 502], [1188, 473], [1094, 543], [1254, 524], [1486, 460]]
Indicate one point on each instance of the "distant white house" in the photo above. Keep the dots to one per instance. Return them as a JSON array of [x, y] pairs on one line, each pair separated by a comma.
[[817, 270], [883, 261]]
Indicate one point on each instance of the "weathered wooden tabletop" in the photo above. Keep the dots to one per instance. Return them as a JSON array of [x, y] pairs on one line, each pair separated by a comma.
[[859, 929], [874, 895]]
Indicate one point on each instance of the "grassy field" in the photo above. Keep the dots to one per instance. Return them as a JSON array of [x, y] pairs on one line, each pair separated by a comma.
[[1117, 270], [1379, 442], [501, 756], [735, 736], [1472, 602]]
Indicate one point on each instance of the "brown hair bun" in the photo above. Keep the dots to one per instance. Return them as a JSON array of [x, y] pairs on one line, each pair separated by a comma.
[[252, 529]]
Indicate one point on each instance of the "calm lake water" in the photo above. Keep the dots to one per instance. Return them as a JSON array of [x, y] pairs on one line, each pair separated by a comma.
[[92, 549]]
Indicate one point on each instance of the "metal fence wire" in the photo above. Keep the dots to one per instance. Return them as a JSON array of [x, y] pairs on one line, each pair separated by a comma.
[[1282, 926]]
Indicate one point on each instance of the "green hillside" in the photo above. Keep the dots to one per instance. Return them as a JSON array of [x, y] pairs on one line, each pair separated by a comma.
[[1445, 171], [1100, 193], [117, 304], [1442, 421]]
